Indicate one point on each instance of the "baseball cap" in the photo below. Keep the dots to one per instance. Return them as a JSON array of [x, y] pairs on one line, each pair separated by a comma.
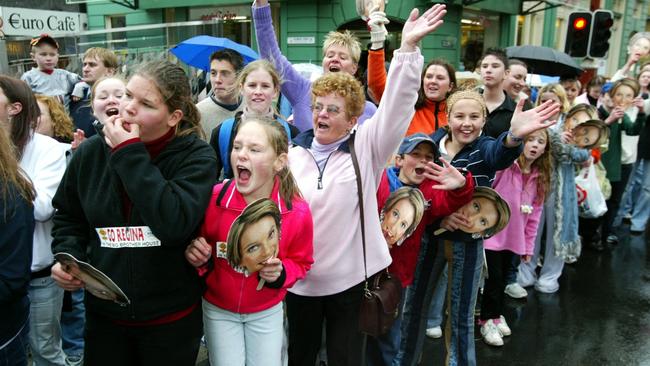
[[412, 141], [44, 38]]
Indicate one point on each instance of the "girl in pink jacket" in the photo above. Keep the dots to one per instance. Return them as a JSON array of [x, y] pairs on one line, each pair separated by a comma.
[[523, 185], [243, 315]]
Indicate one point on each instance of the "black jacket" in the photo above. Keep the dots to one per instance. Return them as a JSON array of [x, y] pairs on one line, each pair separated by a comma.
[[169, 194], [16, 243], [498, 121]]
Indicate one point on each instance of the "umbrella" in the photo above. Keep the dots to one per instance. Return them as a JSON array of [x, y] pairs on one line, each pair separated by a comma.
[[196, 51], [540, 80], [545, 60]]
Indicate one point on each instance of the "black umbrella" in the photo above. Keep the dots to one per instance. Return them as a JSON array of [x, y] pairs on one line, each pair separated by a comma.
[[545, 60]]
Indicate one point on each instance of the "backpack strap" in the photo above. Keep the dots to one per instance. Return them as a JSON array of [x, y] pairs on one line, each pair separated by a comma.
[[224, 189], [225, 131]]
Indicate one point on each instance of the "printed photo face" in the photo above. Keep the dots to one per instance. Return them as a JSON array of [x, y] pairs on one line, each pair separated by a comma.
[[481, 213], [575, 119], [585, 136], [259, 242], [623, 97], [397, 220]]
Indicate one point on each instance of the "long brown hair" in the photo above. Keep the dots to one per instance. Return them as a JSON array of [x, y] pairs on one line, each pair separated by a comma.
[[174, 86], [279, 142], [22, 124], [12, 178], [544, 165], [451, 72]]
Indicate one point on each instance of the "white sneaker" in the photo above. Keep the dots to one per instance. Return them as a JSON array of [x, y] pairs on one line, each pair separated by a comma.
[[491, 334], [515, 291], [503, 327], [435, 332]]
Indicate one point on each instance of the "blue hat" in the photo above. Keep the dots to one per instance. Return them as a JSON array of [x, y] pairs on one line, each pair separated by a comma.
[[412, 141]]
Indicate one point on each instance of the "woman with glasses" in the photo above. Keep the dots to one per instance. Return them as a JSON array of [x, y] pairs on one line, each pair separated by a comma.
[[322, 165]]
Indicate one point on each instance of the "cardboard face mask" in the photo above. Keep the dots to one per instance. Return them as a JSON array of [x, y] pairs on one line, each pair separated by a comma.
[[396, 221], [254, 236], [364, 7], [623, 97], [590, 134], [487, 214]]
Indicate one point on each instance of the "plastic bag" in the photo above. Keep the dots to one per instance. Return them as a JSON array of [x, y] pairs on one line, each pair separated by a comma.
[[591, 202]]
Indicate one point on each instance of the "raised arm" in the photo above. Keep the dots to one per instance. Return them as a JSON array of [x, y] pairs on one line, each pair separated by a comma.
[[384, 131], [295, 87]]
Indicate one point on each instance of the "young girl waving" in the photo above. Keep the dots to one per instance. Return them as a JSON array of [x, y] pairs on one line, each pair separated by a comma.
[[523, 185], [243, 319]]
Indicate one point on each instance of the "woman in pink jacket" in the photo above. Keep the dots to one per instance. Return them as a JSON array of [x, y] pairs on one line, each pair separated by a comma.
[[243, 315], [523, 186]]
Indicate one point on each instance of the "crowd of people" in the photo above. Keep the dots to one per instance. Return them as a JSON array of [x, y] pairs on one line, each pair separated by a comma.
[[229, 224]]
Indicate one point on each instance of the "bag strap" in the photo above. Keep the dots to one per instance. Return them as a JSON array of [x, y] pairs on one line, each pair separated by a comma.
[[357, 172]]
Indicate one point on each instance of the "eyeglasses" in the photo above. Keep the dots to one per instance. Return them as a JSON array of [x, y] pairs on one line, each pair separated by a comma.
[[331, 110]]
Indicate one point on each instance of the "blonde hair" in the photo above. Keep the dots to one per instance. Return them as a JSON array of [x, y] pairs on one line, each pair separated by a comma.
[[559, 91], [343, 85], [99, 81], [415, 198], [253, 213], [263, 65], [106, 56], [279, 142], [466, 94], [630, 83], [345, 39], [503, 210], [62, 126]]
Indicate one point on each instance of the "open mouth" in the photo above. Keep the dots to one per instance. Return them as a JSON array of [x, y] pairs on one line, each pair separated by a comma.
[[322, 126], [112, 112], [419, 171], [335, 68], [243, 174]]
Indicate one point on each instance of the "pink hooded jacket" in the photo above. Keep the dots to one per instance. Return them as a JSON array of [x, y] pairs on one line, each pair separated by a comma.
[[519, 235]]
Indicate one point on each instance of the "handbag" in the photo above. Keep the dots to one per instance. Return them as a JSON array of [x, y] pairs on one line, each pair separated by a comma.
[[591, 202], [382, 293]]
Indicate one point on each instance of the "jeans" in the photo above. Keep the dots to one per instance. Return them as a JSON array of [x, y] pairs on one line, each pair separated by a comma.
[[45, 322], [340, 311], [438, 304], [72, 325], [636, 199], [235, 339], [15, 353]]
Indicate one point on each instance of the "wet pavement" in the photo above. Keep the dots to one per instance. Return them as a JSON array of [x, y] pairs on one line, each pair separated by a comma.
[[600, 315]]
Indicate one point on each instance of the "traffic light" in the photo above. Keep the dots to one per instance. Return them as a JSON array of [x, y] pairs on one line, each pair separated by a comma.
[[577, 37], [600, 33]]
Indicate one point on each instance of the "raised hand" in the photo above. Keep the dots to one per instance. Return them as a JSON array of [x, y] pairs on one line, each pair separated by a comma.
[[454, 222], [525, 123], [116, 131], [447, 176], [260, 3], [198, 252], [272, 270], [77, 138], [417, 27], [566, 137], [638, 102], [616, 114], [377, 24]]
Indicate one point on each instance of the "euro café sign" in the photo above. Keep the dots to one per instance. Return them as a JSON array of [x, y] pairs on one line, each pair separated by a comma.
[[31, 22]]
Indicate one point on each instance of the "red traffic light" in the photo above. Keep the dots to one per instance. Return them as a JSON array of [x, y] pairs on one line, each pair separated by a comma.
[[579, 23]]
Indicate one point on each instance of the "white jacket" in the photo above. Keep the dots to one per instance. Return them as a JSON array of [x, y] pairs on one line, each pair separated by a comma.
[[44, 162]]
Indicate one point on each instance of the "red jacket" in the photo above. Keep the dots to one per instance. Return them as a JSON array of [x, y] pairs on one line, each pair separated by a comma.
[[441, 204], [231, 290]]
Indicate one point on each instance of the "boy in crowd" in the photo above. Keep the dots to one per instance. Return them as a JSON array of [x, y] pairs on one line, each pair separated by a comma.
[[224, 100], [46, 79], [494, 68]]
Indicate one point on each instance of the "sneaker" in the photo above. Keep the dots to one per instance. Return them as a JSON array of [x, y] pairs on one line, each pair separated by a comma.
[[491, 334], [547, 288], [503, 327], [570, 259], [435, 332], [612, 239], [74, 360], [515, 291]]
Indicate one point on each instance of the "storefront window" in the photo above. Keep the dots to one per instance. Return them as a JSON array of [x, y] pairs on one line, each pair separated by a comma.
[[475, 39]]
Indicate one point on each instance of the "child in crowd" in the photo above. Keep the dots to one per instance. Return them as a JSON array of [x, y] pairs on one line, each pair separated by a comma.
[[592, 92], [561, 206], [572, 88], [494, 68], [243, 320], [54, 121], [259, 84], [523, 185], [46, 79], [445, 189], [464, 146], [556, 93]]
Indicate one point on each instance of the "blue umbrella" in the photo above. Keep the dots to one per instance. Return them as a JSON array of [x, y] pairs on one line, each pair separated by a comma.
[[196, 51]]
